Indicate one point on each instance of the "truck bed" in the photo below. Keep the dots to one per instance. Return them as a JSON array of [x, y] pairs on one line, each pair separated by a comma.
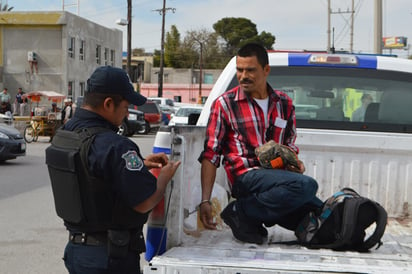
[[218, 252], [377, 169]]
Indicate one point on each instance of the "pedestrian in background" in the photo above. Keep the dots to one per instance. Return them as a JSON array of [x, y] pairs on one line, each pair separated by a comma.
[[5, 99], [67, 112]]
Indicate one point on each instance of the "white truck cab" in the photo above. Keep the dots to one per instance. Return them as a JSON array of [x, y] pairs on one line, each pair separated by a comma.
[[354, 125]]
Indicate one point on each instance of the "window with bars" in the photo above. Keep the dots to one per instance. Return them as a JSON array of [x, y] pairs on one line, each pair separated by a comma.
[[98, 54], [71, 46], [82, 50]]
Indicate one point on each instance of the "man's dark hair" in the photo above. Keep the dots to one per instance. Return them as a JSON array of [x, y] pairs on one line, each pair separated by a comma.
[[95, 99], [254, 49]]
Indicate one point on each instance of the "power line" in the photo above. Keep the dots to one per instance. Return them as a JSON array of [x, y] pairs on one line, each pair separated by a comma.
[[352, 16], [162, 12]]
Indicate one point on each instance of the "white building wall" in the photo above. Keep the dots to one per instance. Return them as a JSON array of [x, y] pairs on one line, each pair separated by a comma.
[[50, 43]]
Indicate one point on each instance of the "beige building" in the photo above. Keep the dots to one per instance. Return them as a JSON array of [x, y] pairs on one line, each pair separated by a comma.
[[141, 68], [55, 51]]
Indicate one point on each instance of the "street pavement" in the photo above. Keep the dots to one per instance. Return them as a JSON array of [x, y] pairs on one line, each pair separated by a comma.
[[32, 237]]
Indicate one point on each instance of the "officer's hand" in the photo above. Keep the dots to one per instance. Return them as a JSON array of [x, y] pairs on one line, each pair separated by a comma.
[[301, 168], [206, 216], [167, 172], [156, 160]]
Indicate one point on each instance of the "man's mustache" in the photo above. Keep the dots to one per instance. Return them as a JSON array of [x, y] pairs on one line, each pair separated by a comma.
[[246, 81]]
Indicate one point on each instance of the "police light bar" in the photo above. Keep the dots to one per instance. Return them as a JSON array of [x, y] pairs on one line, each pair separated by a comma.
[[333, 59]]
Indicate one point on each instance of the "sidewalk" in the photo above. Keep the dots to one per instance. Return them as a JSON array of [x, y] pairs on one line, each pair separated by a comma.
[[32, 237]]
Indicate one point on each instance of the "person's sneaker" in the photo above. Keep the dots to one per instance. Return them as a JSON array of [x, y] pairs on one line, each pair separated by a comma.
[[240, 229]]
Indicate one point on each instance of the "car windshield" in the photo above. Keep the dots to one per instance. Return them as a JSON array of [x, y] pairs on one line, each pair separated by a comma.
[[345, 98], [185, 112]]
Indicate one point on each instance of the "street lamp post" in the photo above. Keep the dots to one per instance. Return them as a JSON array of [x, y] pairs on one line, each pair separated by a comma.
[[129, 38], [199, 99], [162, 49], [162, 11], [128, 23]]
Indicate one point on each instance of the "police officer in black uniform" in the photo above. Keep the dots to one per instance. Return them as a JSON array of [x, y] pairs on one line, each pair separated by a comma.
[[101, 184]]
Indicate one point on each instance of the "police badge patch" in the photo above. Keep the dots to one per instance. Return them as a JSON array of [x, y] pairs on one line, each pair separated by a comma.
[[133, 162]]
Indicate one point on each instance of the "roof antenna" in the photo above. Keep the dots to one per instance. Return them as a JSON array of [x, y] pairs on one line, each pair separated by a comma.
[[332, 49]]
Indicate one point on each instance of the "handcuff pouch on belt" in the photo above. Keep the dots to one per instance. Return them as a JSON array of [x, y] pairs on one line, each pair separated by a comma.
[[118, 242]]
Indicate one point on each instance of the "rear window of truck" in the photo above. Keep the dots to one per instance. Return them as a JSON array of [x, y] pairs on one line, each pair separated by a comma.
[[346, 98]]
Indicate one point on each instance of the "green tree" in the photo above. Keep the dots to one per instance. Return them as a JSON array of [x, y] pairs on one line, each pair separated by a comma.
[[186, 53], [138, 52], [156, 58], [206, 43], [172, 48], [237, 32], [267, 39]]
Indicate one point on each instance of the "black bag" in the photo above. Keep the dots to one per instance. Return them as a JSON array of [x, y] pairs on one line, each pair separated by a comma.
[[65, 158], [341, 223]]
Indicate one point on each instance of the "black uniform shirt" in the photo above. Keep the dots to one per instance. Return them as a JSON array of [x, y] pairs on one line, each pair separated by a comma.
[[116, 159]]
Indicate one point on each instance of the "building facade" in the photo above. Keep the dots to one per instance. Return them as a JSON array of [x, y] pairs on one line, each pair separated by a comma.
[[55, 51], [182, 93]]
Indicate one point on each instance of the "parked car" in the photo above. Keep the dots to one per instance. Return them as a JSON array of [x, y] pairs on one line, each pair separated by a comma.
[[152, 116], [167, 106], [161, 101], [12, 143], [6, 118], [181, 117], [135, 122], [132, 124]]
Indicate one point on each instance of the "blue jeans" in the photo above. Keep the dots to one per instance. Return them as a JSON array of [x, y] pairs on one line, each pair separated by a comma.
[[86, 259], [275, 196]]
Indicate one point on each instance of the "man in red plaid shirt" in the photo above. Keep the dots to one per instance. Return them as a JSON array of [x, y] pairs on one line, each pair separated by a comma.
[[241, 120]]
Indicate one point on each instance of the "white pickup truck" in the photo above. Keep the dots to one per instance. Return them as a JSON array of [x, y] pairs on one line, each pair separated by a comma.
[[371, 153]]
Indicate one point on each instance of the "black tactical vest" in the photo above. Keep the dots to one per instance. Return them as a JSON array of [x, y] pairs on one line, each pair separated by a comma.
[[85, 202]]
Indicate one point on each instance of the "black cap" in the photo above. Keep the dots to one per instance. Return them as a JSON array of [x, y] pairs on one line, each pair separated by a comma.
[[113, 80]]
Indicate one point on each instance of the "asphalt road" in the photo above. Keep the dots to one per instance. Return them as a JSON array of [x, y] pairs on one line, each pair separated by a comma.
[[32, 237]]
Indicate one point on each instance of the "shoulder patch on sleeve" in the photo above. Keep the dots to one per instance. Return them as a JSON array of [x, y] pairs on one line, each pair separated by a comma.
[[133, 161]]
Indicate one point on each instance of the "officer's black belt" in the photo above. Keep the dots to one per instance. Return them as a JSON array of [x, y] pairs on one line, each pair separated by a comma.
[[100, 238], [88, 238]]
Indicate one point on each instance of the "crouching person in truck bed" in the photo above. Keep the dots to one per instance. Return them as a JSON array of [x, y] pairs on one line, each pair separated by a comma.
[[241, 120]]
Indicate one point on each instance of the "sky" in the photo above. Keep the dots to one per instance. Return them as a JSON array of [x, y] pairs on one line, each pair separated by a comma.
[[296, 24]]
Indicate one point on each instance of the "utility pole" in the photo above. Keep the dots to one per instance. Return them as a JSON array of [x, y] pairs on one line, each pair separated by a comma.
[[162, 47], [378, 27], [129, 38], [199, 99], [328, 47], [352, 12], [352, 16]]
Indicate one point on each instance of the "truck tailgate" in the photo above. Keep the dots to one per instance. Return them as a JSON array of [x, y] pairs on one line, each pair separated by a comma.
[[219, 252]]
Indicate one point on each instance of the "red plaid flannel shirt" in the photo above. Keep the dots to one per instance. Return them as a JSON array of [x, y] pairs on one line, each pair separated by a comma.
[[236, 127]]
